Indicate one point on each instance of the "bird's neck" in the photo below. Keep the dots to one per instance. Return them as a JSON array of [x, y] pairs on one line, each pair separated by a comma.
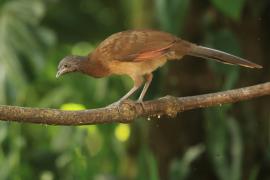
[[93, 68]]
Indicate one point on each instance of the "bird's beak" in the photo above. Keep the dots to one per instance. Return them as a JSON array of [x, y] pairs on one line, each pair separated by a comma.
[[60, 72]]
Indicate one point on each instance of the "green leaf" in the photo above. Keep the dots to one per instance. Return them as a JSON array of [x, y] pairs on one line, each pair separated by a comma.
[[224, 143], [171, 14], [231, 8], [226, 41], [180, 169], [22, 46]]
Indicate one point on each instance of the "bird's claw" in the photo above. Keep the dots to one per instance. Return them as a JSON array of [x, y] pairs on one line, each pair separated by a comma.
[[118, 104], [115, 104], [141, 103]]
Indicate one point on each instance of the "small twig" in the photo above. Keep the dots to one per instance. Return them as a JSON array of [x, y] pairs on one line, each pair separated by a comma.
[[129, 110]]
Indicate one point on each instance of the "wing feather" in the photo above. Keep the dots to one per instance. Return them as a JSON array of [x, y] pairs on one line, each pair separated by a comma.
[[137, 45]]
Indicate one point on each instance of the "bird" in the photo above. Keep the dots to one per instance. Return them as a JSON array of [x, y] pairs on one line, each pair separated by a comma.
[[137, 53]]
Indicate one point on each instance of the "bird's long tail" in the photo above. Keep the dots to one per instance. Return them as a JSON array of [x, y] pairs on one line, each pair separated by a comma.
[[204, 52]]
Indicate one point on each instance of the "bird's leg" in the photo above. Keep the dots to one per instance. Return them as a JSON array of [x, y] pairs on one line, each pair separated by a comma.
[[148, 78], [129, 93], [137, 84]]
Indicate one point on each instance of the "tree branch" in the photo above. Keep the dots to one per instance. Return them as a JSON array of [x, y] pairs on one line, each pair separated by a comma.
[[129, 110]]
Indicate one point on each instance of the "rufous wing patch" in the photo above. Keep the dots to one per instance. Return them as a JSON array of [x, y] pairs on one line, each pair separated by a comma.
[[153, 54], [148, 55]]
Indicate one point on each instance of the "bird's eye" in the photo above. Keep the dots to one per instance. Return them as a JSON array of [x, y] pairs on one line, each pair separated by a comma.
[[65, 66]]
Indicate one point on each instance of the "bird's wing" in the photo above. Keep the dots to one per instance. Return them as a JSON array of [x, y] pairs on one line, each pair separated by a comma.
[[138, 45]]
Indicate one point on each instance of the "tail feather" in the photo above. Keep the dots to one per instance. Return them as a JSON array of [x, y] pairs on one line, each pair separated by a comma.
[[204, 52]]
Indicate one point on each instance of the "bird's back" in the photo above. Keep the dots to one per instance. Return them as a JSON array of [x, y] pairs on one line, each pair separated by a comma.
[[135, 44]]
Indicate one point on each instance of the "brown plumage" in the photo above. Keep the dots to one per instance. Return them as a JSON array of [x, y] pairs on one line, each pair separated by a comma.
[[137, 53]]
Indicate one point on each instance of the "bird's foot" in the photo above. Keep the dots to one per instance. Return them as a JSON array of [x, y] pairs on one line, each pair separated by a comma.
[[140, 101], [119, 103], [115, 104]]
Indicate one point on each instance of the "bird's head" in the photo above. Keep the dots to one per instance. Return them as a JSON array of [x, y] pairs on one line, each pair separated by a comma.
[[69, 64]]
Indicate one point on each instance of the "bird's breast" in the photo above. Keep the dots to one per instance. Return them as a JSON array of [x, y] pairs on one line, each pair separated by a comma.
[[134, 69]]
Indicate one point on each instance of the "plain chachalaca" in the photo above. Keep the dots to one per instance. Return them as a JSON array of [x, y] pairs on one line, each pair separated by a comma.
[[137, 53]]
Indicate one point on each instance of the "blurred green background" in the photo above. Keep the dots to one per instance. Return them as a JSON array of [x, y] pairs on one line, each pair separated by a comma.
[[230, 142]]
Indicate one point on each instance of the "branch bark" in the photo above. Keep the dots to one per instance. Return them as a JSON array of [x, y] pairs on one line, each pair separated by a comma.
[[129, 110]]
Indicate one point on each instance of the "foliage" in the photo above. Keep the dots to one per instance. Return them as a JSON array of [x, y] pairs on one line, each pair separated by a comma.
[[167, 12], [22, 39], [231, 8], [36, 34]]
